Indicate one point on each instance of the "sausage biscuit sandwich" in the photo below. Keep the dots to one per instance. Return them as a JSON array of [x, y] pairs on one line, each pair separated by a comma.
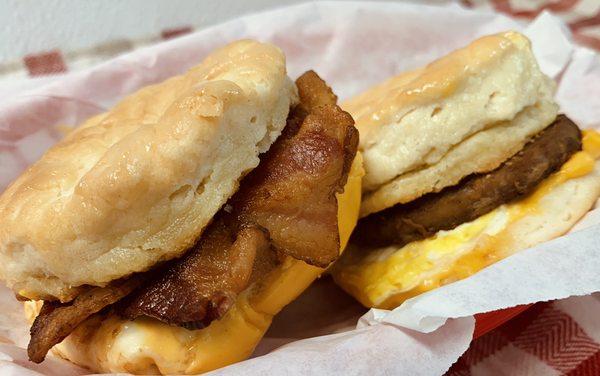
[[467, 161]]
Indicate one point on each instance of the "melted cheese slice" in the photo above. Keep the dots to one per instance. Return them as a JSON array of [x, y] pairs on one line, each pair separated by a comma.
[[388, 276], [146, 346]]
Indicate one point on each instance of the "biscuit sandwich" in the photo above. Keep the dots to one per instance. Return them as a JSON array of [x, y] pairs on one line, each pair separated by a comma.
[[467, 161], [163, 235]]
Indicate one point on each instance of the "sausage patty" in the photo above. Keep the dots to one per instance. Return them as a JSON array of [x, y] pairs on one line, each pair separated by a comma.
[[476, 194]]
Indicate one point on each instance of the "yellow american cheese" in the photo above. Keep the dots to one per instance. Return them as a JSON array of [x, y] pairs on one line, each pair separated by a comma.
[[150, 346], [388, 276]]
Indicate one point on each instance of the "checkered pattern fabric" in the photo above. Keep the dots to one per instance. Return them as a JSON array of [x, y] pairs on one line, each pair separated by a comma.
[[551, 338], [582, 16], [53, 62]]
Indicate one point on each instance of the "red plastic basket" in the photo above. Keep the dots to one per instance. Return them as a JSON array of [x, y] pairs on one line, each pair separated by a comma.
[[485, 322]]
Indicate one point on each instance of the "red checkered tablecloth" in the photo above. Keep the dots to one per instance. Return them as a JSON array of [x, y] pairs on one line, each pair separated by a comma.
[[552, 338]]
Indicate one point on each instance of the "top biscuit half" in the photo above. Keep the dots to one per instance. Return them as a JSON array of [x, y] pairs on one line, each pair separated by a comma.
[[465, 113]]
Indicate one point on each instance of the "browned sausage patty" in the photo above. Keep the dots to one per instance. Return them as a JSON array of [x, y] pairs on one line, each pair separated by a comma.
[[476, 194]]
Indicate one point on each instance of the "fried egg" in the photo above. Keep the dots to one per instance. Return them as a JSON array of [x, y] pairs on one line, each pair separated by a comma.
[[385, 277]]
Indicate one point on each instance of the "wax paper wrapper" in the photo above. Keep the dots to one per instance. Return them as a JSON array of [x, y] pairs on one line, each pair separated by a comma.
[[352, 45]]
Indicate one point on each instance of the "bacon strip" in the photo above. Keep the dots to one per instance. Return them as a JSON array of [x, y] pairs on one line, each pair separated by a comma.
[[292, 193], [56, 321], [204, 284]]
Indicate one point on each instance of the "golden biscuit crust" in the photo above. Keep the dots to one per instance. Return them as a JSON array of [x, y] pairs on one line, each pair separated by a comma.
[[424, 130], [136, 185]]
